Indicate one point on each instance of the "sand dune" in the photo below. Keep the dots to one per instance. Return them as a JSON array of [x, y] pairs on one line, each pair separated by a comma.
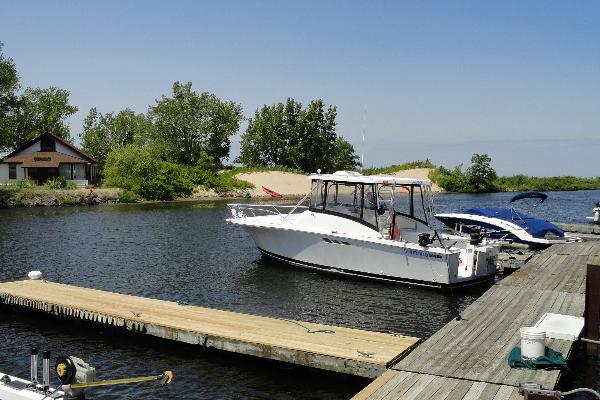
[[289, 184], [285, 183]]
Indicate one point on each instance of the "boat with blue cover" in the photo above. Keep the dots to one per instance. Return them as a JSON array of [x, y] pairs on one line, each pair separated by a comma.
[[508, 224]]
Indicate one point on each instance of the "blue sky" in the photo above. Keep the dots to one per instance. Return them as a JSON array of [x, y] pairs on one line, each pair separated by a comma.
[[517, 80]]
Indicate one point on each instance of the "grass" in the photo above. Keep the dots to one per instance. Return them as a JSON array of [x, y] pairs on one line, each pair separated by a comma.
[[399, 167]]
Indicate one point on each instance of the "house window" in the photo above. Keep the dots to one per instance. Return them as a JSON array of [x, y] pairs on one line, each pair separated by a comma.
[[12, 171]]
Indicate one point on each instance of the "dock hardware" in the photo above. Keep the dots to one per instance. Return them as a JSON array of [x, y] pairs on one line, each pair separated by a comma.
[[534, 391], [74, 374]]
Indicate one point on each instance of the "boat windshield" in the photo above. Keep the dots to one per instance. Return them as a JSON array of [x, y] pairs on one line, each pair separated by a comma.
[[412, 201], [356, 201], [371, 204]]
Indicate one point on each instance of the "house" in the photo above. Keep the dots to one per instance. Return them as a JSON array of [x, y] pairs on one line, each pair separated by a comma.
[[45, 157]]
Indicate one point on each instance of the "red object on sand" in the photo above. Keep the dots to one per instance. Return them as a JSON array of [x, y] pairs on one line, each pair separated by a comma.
[[271, 192]]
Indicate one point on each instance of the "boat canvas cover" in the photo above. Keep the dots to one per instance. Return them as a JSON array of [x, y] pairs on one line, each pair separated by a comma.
[[535, 226], [529, 195]]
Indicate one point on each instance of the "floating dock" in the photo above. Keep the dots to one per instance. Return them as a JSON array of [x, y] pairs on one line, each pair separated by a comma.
[[338, 349], [591, 230], [467, 358]]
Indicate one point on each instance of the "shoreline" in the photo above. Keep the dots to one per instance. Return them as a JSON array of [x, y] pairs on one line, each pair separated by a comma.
[[292, 186]]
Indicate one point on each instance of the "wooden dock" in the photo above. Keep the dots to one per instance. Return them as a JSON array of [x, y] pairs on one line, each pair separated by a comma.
[[467, 358], [345, 350], [593, 230]]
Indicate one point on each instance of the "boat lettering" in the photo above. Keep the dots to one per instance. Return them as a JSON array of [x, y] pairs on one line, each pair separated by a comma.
[[421, 253]]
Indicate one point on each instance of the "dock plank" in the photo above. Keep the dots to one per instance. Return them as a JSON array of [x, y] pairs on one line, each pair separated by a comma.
[[335, 348], [469, 357]]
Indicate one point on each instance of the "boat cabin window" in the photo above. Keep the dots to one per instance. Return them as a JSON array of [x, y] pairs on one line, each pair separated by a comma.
[[372, 204], [409, 200], [344, 198], [317, 193], [356, 201]]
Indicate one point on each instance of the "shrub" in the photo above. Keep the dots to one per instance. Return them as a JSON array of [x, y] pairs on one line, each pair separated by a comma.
[[72, 185], [137, 170], [23, 184], [56, 183], [399, 167], [127, 196]]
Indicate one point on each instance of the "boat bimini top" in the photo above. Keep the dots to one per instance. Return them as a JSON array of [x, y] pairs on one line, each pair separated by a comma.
[[356, 177], [372, 200]]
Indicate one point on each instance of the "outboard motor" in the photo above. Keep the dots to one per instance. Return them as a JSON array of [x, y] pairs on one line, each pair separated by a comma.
[[425, 239], [597, 213], [477, 237]]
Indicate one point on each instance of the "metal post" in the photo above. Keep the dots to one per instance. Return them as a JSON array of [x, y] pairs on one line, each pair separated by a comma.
[[34, 365], [592, 307], [46, 369]]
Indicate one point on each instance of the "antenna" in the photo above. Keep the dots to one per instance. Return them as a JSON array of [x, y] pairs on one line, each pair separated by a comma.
[[364, 127]]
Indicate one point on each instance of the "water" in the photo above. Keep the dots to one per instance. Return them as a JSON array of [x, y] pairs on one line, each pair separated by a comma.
[[186, 252]]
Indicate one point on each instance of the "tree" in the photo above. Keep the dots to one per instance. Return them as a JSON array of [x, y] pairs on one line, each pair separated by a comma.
[[9, 101], [344, 157], [317, 143], [27, 115], [43, 111], [293, 137], [103, 133], [480, 175], [263, 144], [192, 126]]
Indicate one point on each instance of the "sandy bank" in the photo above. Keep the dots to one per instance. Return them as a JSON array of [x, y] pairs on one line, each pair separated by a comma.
[[418, 173], [289, 184]]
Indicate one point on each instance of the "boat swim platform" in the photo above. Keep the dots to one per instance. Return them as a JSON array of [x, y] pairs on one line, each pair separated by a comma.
[[345, 350], [468, 358]]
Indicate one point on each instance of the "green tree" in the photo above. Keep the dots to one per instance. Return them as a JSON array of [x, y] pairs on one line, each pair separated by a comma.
[[480, 175], [103, 133], [44, 111], [344, 157], [451, 180], [264, 143], [317, 143], [9, 101], [293, 137], [27, 115], [192, 126]]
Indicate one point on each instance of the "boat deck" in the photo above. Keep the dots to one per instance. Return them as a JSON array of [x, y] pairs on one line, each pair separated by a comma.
[[467, 358], [339, 349]]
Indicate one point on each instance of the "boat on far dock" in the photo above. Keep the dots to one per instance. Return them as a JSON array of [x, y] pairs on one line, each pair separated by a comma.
[[595, 214], [508, 224], [376, 227]]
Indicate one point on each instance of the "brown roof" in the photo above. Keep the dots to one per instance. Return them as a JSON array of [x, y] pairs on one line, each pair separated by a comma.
[[56, 138], [43, 159]]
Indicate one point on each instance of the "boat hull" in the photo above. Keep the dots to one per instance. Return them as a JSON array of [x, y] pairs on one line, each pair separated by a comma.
[[370, 259]]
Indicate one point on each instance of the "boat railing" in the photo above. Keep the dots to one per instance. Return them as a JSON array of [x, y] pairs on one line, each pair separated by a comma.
[[241, 210]]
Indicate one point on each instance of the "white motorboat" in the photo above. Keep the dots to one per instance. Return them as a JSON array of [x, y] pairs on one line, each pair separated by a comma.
[[375, 227], [595, 214]]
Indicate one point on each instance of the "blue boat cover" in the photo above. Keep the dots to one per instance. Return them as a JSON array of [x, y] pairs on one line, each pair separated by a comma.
[[529, 195], [536, 227]]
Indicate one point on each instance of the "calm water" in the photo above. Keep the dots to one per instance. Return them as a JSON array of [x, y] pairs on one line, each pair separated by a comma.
[[187, 252]]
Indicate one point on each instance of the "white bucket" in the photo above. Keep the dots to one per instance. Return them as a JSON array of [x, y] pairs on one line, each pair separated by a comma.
[[533, 342]]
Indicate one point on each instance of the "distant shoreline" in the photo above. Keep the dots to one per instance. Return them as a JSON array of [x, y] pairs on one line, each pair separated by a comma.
[[291, 185]]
